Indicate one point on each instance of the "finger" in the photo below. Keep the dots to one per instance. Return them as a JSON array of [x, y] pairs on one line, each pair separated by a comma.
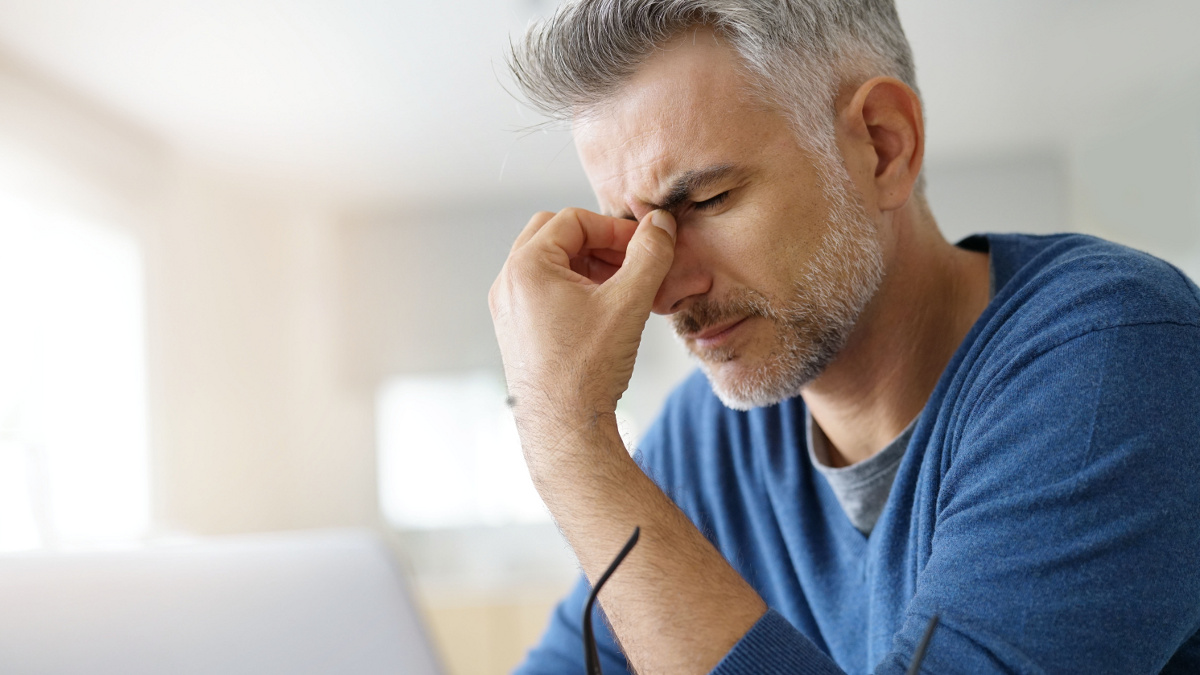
[[623, 229], [535, 223], [648, 258], [596, 270], [604, 259], [610, 256], [572, 231]]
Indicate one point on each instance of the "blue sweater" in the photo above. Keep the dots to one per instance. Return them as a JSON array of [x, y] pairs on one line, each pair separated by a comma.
[[1047, 508]]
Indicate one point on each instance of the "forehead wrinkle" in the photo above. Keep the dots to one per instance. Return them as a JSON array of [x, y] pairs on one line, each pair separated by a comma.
[[636, 161], [623, 187], [645, 158]]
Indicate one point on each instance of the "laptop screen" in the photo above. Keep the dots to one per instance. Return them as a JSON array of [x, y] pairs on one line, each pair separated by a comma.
[[303, 603]]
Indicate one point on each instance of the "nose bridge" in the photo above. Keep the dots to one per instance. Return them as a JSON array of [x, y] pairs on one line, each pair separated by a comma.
[[688, 277], [639, 209]]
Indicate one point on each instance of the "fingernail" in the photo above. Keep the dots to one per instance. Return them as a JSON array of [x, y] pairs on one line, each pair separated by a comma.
[[663, 220]]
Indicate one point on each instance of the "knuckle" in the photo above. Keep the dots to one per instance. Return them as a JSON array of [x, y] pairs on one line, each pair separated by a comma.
[[520, 270], [492, 296], [540, 217], [496, 295], [571, 212], [519, 261]]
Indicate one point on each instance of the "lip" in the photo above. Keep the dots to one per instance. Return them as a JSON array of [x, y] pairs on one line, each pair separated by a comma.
[[715, 335]]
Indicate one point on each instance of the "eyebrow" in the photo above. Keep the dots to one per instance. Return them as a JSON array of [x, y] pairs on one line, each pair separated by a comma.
[[692, 181], [688, 183]]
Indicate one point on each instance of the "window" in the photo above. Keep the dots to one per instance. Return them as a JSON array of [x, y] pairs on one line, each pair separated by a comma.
[[74, 467], [449, 455]]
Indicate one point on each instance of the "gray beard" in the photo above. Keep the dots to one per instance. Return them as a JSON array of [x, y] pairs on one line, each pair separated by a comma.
[[814, 324]]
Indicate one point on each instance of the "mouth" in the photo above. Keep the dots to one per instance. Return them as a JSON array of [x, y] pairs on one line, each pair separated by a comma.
[[715, 336]]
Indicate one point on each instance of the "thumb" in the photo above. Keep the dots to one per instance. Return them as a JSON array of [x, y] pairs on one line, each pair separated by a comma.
[[647, 257]]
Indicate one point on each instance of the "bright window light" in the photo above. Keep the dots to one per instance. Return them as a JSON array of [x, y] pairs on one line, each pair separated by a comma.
[[449, 455], [74, 467]]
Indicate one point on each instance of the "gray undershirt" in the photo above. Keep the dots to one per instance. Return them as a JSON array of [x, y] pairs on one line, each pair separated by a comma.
[[862, 489]]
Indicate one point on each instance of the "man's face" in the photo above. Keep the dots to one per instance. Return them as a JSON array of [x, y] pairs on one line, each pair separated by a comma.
[[771, 268]]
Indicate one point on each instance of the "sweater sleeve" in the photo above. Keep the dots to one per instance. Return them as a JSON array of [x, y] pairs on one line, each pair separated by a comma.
[[1064, 530], [1061, 531], [774, 647]]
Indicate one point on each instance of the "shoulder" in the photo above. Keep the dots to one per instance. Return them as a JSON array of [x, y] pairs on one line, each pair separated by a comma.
[[1054, 288], [1084, 345]]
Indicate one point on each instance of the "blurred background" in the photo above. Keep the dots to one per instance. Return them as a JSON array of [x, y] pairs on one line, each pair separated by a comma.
[[245, 249]]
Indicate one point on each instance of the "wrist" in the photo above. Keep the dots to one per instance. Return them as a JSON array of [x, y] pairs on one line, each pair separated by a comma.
[[564, 442], [545, 413]]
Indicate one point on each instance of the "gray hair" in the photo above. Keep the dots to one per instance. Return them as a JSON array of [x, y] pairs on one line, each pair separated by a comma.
[[798, 52]]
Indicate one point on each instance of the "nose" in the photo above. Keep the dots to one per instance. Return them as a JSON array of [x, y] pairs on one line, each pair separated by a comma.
[[688, 278]]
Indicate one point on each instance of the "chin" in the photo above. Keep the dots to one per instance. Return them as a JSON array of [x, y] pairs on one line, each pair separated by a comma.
[[742, 388]]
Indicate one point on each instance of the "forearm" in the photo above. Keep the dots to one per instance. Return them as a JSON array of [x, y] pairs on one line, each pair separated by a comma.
[[569, 307], [675, 604]]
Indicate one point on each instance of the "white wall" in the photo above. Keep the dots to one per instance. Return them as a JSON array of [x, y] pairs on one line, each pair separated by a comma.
[[1131, 174], [1018, 193], [258, 427], [253, 426], [1135, 174]]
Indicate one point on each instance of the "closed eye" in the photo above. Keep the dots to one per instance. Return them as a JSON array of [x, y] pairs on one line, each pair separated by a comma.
[[712, 202]]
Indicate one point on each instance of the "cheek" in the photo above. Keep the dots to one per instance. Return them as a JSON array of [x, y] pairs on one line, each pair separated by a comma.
[[796, 235], [764, 249], [713, 246], [739, 252]]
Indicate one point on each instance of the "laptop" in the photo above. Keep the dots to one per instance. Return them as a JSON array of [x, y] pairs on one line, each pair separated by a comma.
[[302, 604]]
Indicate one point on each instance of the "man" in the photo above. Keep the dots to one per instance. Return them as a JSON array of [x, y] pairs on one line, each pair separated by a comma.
[[1004, 433]]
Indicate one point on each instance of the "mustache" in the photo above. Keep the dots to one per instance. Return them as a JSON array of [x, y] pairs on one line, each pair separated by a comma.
[[704, 312]]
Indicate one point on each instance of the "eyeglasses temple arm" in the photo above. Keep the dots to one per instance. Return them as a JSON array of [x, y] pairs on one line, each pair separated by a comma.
[[591, 656], [918, 656]]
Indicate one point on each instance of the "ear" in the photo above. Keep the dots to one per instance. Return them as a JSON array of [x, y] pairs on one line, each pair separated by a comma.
[[885, 130]]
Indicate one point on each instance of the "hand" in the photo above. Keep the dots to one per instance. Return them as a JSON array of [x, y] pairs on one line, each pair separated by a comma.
[[569, 308]]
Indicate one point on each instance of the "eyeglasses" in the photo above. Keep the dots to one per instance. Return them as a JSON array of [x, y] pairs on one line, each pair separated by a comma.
[[919, 655], [592, 657]]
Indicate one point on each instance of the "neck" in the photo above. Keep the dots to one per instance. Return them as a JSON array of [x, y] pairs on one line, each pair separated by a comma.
[[931, 295]]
